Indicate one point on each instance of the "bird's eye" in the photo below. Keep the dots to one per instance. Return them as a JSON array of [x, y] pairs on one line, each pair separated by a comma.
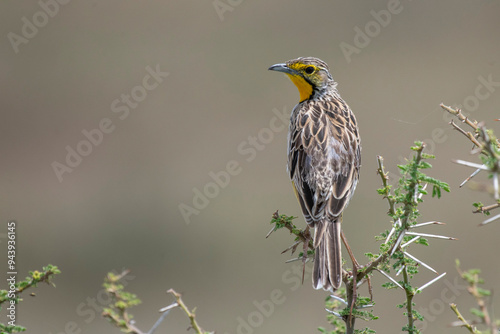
[[309, 69]]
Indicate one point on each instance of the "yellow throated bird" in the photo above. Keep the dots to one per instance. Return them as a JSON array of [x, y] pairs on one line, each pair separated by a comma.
[[324, 158]]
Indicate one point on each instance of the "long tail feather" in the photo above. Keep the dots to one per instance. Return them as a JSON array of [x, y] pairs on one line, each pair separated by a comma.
[[327, 269]]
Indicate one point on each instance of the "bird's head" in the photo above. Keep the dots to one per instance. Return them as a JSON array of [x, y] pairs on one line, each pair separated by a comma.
[[309, 74]]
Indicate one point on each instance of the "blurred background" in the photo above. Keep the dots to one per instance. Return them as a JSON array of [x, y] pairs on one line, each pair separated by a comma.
[[182, 91]]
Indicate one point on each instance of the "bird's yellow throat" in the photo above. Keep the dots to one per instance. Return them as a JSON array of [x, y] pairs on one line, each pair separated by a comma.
[[305, 88]]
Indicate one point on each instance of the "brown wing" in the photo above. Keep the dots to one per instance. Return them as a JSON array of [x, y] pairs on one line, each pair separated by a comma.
[[324, 157]]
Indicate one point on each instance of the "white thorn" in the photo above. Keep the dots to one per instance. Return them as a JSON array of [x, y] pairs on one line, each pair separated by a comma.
[[339, 299], [297, 259], [460, 323], [398, 241], [470, 164], [364, 306], [425, 235], [409, 242], [360, 283], [334, 313], [169, 307], [272, 230], [430, 282], [389, 235], [470, 177], [428, 223], [420, 262], [293, 245], [489, 220], [400, 270], [392, 231], [476, 150], [423, 188], [390, 278]]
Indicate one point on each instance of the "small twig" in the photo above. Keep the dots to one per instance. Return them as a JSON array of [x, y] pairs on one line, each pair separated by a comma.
[[473, 290], [466, 134], [486, 144], [460, 116], [385, 182], [303, 235], [44, 278], [189, 313], [461, 318], [487, 208]]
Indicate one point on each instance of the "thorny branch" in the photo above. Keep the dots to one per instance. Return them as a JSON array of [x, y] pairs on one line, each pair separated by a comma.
[[489, 147], [464, 322], [404, 216], [189, 313], [472, 277]]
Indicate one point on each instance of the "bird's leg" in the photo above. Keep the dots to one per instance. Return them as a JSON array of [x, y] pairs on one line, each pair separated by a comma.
[[351, 255], [305, 248], [368, 279], [355, 266]]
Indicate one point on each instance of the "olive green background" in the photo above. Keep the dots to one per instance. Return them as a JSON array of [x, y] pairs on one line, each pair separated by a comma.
[[119, 208]]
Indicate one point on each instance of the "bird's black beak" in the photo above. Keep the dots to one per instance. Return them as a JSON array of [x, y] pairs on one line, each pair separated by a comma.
[[282, 68]]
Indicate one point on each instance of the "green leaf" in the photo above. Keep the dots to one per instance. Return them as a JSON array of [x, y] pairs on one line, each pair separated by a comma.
[[424, 165], [477, 312], [483, 292]]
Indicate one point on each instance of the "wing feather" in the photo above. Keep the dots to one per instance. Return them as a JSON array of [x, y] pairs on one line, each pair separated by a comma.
[[324, 157]]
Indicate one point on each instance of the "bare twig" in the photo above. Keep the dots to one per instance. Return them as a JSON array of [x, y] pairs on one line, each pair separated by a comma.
[[466, 134], [385, 182], [465, 324], [189, 313], [460, 116], [489, 147], [472, 277], [487, 208]]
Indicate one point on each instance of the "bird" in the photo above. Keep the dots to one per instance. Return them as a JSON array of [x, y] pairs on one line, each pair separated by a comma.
[[324, 160]]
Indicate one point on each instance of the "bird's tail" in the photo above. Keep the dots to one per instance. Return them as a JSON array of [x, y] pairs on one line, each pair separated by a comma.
[[327, 269]]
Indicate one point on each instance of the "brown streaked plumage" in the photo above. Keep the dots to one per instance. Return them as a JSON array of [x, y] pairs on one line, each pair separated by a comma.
[[324, 158]]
